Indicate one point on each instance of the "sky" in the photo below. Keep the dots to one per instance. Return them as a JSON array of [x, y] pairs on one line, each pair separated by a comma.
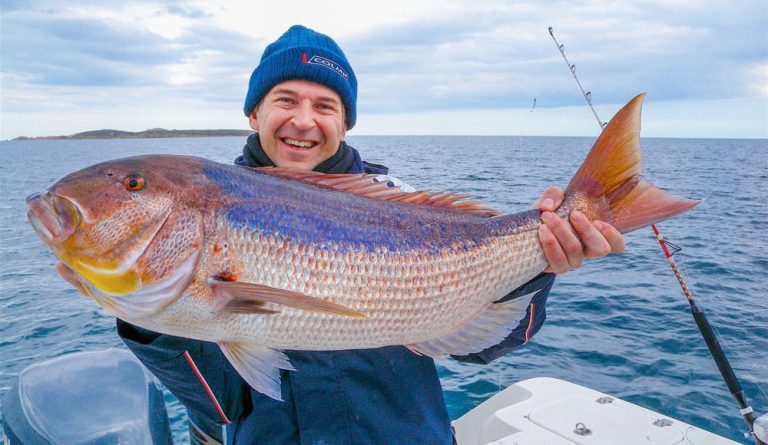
[[453, 67]]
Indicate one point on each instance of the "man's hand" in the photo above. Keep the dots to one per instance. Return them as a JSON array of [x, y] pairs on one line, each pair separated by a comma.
[[565, 249]]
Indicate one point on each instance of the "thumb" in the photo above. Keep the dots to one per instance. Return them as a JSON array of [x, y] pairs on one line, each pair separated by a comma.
[[550, 199]]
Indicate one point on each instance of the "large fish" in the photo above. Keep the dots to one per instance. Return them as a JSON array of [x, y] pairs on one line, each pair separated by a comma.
[[262, 260]]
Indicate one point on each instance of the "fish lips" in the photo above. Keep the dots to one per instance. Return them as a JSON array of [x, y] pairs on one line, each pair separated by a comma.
[[52, 217]]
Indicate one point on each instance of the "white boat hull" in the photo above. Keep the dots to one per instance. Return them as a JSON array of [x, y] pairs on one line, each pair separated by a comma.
[[548, 411]]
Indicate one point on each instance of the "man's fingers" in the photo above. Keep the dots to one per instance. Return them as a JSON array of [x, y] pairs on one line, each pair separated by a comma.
[[614, 237], [558, 262], [595, 243], [566, 238], [566, 245]]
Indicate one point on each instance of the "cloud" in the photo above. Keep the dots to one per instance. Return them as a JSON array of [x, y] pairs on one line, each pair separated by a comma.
[[53, 49], [502, 56], [63, 60], [64, 51], [181, 8], [454, 55]]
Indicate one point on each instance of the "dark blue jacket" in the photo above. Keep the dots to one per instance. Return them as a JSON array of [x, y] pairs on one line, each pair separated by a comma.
[[372, 396]]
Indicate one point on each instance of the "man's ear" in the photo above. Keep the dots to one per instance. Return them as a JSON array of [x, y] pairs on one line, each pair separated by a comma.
[[253, 120]]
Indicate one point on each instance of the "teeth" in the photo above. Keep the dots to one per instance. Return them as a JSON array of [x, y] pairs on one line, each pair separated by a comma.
[[297, 143], [302, 144]]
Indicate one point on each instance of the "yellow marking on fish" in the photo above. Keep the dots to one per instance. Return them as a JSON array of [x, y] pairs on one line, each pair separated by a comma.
[[107, 275], [120, 283], [104, 274]]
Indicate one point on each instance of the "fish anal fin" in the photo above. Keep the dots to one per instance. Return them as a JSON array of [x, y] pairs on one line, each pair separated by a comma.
[[258, 365], [488, 329], [239, 297], [365, 184]]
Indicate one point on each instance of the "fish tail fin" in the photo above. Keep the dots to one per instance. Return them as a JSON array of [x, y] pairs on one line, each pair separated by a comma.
[[607, 186]]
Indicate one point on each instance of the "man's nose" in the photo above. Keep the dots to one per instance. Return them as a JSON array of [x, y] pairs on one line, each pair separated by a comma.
[[304, 118]]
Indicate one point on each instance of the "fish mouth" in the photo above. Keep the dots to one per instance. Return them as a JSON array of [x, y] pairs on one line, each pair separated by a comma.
[[52, 217]]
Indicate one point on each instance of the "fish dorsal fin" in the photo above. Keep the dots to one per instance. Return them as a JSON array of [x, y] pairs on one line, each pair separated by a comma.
[[366, 184]]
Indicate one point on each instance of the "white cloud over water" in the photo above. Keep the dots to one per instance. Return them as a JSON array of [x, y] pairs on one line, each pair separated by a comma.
[[448, 67]]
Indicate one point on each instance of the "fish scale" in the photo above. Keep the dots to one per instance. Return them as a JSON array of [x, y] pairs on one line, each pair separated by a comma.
[[391, 288]]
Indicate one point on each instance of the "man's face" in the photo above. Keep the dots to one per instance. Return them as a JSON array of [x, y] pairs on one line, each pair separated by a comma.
[[300, 123]]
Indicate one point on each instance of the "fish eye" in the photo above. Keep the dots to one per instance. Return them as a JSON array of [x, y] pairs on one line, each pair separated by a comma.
[[134, 183]]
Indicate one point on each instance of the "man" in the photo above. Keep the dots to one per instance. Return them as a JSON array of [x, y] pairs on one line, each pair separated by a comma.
[[301, 101]]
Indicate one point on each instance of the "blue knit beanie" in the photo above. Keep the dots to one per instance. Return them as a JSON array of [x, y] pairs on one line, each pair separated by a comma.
[[304, 54]]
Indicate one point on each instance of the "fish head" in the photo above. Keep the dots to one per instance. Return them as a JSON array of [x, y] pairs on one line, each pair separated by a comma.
[[127, 232]]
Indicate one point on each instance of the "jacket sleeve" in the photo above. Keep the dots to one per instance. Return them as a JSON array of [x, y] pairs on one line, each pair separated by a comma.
[[528, 326], [171, 360]]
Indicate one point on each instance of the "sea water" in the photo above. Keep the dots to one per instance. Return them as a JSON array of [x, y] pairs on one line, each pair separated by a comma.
[[619, 325]]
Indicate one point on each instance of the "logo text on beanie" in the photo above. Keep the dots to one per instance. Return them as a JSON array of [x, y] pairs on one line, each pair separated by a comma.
[[319, 60]]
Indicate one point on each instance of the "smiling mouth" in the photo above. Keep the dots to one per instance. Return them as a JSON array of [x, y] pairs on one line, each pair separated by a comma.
[[301, 145]]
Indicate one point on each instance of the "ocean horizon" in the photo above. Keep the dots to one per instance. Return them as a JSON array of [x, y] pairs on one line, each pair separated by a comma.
[[619, 325], [74, 136]]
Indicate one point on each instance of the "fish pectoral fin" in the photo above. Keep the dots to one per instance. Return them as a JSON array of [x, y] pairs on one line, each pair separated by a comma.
[[488, 329], [258, 365], [239, 297]]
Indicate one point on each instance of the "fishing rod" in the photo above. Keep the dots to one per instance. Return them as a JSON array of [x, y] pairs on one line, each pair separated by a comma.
[[713, 344], [587, 94], [758, 427]]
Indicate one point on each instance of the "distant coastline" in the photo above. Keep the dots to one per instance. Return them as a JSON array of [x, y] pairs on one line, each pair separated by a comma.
[[151, 133]]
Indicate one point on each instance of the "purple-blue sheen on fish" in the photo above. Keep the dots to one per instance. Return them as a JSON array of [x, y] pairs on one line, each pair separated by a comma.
[[261, 260]]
